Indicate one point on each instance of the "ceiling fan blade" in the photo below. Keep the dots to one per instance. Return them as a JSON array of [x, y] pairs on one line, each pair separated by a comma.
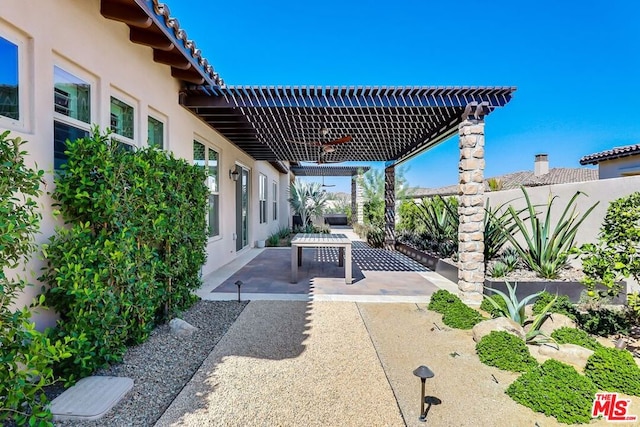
[[328, 185], [312, 143], [338, 141]]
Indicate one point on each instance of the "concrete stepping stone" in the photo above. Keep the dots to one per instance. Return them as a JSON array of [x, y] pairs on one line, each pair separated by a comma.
[[90, 398]]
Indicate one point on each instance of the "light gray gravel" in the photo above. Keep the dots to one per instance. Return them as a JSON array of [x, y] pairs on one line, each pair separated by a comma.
[[162, 365]]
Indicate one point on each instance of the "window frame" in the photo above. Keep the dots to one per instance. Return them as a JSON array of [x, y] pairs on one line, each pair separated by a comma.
[[262, 197], [212, 193], [63, 119], [134, 104], [156, 115], [274, 191], [164, 132], [25, 84]]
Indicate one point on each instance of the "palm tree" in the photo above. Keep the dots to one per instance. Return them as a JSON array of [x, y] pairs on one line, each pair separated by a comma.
[[307, 199]]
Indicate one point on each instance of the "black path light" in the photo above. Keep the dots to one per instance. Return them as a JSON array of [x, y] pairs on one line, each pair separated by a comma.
[[238, 284], [423, 373]]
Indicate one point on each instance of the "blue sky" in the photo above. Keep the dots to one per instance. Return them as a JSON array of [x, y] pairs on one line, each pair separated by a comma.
[[576, 65]]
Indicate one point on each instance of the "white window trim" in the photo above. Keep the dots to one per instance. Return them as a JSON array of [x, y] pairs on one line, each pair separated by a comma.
[[133, 102], [88, 78], [207, 145], [262, 197], [274, 203], [25, 80], [155, 114]]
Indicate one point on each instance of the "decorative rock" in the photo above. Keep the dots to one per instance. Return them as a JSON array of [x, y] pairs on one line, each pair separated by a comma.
[[497, 324], [556, 321], [180, 328], [571, 354]]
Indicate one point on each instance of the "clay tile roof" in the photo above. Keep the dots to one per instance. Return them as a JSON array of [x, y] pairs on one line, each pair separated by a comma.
[[614, 153], [517, 179]]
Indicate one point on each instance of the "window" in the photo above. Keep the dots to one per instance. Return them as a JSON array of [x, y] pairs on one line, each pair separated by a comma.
[[155, 133], [275, 201], [72, 112], [263, 198], [122, 118], [208, 159], [9, 94], [71, 96]]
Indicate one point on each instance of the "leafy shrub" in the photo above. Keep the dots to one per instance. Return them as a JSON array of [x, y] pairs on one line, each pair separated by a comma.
[[491, 309], [612, 369], [131, 253], [26, 355], [567, 335], [546, 246], [460, 316], [455, 313], [556, 390], [633, 307], [441, 300], [604, 322], [562, 305], [505, 351], [615, 255]]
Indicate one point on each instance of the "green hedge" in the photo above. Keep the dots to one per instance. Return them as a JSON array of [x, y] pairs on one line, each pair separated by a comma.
[[505, 351], [132, 248], [455, 313], [556, 390], [614, 370], [567, 335]]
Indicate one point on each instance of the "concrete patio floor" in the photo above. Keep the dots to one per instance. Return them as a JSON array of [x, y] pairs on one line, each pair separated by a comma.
[[379, 276]]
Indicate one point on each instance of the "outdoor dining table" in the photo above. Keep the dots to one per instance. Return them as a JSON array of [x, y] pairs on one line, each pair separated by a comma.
[[321, 240]]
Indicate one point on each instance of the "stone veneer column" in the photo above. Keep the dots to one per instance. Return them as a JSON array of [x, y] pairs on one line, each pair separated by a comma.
[[471, 206], [357, 202], [390, 207]]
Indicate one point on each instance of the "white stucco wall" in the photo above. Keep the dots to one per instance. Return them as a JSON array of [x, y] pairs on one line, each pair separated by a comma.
[[615, 168], [73, 35]]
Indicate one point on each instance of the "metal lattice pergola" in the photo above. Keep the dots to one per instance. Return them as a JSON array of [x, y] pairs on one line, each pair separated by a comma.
[[385, 123], [300, 170]]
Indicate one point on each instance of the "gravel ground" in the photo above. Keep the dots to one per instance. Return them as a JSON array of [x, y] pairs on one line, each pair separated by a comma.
[[162, 365], [290, 363]]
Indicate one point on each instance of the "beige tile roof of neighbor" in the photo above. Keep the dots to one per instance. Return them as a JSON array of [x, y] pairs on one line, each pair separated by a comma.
[[517, 179], [614, 153]]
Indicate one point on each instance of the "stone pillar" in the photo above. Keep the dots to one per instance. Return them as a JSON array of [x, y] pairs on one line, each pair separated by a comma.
[[471, 206], [354, 200], [390, 207]]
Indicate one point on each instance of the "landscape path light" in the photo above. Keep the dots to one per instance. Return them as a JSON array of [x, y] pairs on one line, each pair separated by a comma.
[[423, 373]]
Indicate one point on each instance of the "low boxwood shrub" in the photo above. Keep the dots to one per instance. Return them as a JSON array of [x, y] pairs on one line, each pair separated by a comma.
[[614, 370], [441, 300], [567, 335], [604, 322], [505, 351], [556, 390], [491, 309], [460, 316], [562, 305]]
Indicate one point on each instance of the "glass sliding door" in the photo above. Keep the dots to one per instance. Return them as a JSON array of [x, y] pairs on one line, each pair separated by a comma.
[[242, 208]]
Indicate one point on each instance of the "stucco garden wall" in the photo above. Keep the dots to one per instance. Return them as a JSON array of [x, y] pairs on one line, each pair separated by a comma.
[[74, 36]]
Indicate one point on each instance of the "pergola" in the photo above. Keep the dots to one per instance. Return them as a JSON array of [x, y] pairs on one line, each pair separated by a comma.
[[353, 171], [389, 124]]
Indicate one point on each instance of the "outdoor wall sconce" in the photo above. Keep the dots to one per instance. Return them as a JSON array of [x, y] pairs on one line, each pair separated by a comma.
[[234, 174], [238, 284], [423, 373]]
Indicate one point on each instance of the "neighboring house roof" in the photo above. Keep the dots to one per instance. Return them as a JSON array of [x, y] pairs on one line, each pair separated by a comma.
[[615, 153], [518, 179]]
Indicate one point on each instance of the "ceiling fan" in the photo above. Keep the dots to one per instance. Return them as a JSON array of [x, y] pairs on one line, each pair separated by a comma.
[[326, 146], [326, 185]]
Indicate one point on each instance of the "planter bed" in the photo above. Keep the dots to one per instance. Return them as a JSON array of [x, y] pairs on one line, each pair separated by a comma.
[[572, 289]]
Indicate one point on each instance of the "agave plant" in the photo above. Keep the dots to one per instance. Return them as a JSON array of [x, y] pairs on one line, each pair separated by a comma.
[[514, 309], [547, 245], [498, 223], [440, 218]]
